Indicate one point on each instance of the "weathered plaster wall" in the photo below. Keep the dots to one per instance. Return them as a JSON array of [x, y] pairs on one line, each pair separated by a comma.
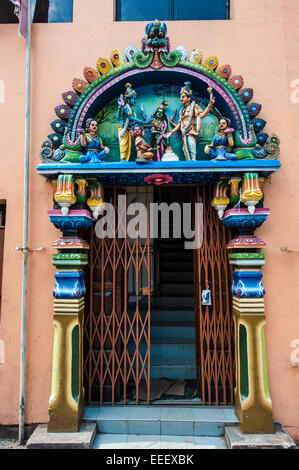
[[260, 42]]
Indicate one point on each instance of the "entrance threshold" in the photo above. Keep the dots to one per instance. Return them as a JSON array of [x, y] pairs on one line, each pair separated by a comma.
[[161, 420]]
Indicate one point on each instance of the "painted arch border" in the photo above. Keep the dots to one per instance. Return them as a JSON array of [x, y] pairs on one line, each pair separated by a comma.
[[200, 72]]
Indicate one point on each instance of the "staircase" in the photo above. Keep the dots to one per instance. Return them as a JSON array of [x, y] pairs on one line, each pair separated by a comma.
[[160, 427], [173, 351]]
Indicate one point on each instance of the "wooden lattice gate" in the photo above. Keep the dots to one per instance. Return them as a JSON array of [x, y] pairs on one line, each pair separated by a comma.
[[117, 321]]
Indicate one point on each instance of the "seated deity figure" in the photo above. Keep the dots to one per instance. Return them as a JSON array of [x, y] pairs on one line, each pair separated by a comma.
[[218, 149], [89, 138], [127, 117], [144, 151], [190, 120]]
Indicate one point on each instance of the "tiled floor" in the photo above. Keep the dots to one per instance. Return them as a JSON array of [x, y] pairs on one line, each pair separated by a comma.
[[131, 441]]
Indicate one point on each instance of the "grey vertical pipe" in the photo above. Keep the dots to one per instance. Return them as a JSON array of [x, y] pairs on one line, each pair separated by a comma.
[[25, 228]]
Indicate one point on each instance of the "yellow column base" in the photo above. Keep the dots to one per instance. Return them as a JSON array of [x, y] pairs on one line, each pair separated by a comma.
[[66, 405], [253, 404]]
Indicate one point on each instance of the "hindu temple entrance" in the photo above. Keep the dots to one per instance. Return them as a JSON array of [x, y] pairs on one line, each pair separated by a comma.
[[150, 332]]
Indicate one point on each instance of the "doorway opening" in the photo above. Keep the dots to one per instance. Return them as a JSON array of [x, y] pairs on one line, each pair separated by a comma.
[[150, 334]]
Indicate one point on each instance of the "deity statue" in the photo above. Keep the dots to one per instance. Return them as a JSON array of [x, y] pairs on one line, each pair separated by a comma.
[[221, 141], [190, 120], [144, 151], [158, 130], [89, 138], [127, 117]]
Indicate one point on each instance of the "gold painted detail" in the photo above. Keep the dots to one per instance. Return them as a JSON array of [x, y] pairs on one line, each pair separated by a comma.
[[65, 194], [251, 191], [96, 199]]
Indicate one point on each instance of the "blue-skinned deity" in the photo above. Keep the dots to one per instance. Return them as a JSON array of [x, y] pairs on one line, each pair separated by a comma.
[[127, 117]]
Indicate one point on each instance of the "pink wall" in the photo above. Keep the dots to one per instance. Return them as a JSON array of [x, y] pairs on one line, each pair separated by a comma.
[[260, 42]]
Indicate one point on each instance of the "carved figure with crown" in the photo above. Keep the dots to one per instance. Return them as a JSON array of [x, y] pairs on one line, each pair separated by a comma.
[[190, 120], [159, 127], [127, 117]]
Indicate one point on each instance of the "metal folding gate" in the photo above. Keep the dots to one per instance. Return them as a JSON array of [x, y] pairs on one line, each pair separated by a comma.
[[213, 323], [117, 321], [116, 328]]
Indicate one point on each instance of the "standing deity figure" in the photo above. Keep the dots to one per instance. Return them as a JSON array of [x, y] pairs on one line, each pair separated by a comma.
[[218, 149], [89, 138], [158, 130], [190, 120], [127, 117]]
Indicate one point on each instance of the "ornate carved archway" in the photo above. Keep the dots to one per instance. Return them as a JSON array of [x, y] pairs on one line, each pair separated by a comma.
[[238, 199]]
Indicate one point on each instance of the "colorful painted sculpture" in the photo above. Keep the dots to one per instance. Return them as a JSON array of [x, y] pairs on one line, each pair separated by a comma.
[[155, 48], [234, 183], [218, 149], [221, 200], [89, 138], [68, 151], [95, 201], [190, 120], [127, 116], [158, 130], [144, 151], [156, 36], [89, 96], [65, 192], [251, 192]]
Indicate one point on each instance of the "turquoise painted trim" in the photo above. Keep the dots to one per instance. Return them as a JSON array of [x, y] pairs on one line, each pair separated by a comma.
[[124, 171], [249, 165]]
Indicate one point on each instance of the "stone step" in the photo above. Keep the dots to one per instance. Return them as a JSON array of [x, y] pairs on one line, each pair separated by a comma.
[[171, 367], [171, 276], [166, 347], [174, 288], [161, 420], [172, 361], [173, 315], [141, 441], [280, 439], [174, 301], [173, 245], [172, 329], [179, 371], [174, 266], [179, 256]]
